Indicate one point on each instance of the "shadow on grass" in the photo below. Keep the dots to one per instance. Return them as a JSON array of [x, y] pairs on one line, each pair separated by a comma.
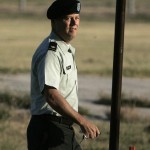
[[132, 102], [15, 100]]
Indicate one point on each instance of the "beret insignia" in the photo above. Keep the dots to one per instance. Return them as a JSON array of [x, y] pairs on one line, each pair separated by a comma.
[[78, 7]]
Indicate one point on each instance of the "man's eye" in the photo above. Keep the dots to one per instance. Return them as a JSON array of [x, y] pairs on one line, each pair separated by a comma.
[[67, 18], [77, 18]]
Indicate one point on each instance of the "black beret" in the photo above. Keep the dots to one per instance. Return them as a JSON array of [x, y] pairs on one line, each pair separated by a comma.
[[60, 8]]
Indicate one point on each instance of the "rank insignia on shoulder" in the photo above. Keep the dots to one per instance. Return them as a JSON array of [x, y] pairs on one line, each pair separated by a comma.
[[52, 46], [68, 67]]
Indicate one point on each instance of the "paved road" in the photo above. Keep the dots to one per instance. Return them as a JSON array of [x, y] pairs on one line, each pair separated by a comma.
[[91, 87]]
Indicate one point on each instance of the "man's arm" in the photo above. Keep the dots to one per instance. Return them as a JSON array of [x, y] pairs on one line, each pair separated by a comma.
[[59, 104]]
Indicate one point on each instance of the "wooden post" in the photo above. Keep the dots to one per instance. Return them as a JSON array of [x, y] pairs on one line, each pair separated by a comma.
[[117, 75]]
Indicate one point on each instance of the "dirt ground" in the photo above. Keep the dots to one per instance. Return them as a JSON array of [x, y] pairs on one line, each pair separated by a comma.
[[91, 88]]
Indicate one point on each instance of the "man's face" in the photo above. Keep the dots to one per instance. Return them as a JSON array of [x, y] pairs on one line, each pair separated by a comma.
[[67, 26]]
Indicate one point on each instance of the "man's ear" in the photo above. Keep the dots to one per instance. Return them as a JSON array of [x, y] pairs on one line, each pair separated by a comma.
[[53, 23]]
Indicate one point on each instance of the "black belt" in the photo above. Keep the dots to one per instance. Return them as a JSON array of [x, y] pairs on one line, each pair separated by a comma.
[[59, 119]]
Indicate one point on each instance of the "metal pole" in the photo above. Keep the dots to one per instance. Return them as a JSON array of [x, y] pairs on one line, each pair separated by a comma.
[[117, 75]]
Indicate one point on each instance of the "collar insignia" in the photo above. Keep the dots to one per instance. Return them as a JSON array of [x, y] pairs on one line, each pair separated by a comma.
[[52, 46]]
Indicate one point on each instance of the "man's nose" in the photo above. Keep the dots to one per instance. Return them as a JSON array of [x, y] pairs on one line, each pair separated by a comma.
[[73, 21]]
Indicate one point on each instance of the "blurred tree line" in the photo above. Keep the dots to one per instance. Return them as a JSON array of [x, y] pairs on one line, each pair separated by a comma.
[[130, 5], [91, 9]]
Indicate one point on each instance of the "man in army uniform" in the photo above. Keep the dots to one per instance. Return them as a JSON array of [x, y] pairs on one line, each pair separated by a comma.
[[54, 84]]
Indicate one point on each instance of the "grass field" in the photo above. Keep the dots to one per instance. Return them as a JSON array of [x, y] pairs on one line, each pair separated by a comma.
[[21, 33], [14, 118], [94, 43], [13, 133]]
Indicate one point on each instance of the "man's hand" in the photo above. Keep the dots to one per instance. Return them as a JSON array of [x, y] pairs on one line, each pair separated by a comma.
[[89, 129]]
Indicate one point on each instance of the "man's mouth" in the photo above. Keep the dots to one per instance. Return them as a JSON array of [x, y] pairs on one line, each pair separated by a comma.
[[73, 29]]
